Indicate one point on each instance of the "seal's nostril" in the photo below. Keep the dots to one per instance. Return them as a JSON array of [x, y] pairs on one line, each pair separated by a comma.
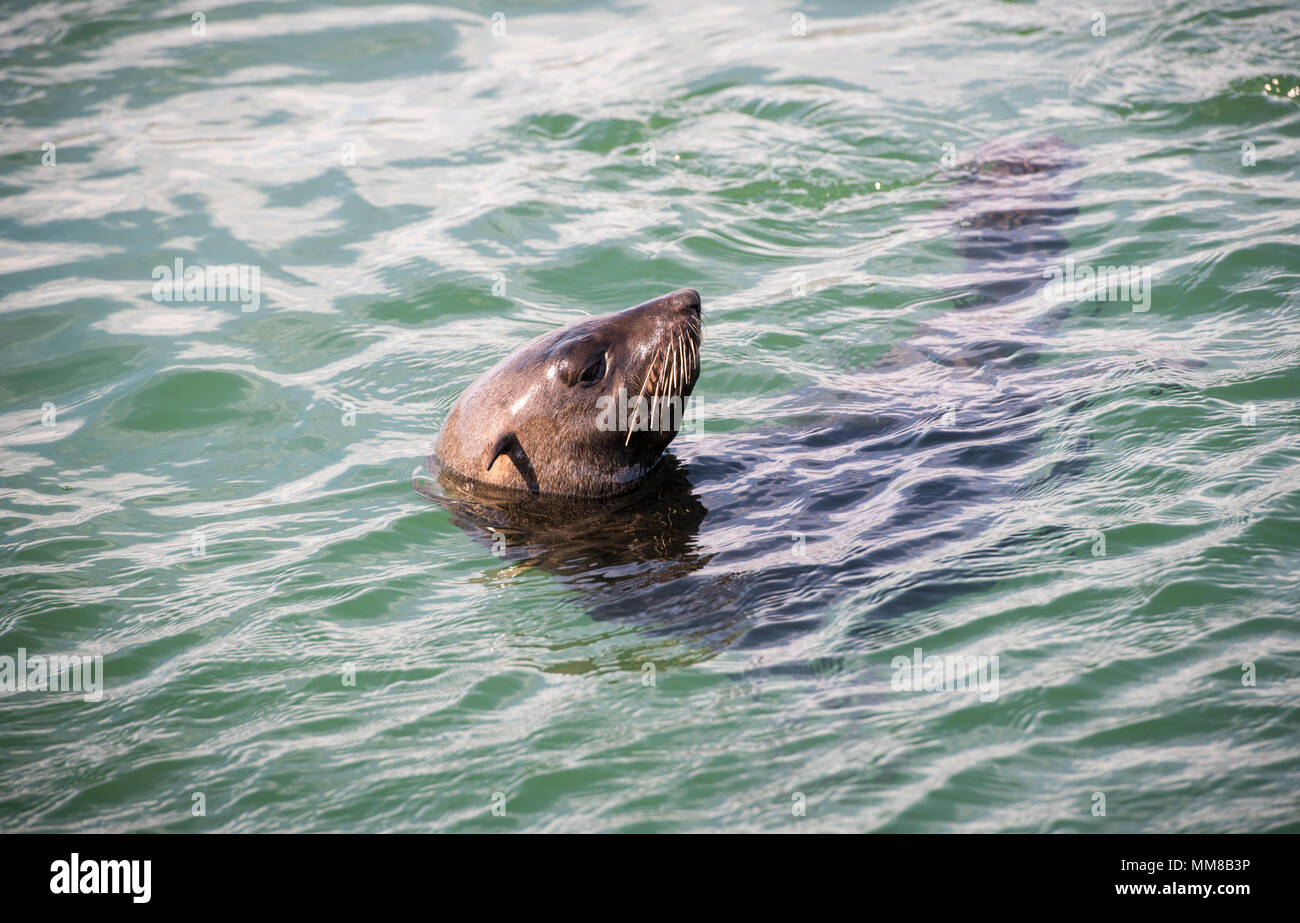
[[690, 300]]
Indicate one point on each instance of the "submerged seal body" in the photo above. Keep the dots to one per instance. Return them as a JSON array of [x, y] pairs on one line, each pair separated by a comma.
[[583, 411]]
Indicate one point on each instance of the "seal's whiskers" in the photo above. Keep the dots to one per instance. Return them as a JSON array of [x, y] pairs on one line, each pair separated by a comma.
[[636, 410], [666, 376]]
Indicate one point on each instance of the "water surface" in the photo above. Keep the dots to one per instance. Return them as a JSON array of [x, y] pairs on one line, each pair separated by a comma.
[[1104, 499]]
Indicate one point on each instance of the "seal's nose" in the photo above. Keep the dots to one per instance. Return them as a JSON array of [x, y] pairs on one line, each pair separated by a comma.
[[678, 305], [689, 300]]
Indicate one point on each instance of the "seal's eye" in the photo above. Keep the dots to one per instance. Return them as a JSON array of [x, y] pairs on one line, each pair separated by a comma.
[[594, 370]]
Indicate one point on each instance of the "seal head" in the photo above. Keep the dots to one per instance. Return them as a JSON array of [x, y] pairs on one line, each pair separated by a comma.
[[583, 411]]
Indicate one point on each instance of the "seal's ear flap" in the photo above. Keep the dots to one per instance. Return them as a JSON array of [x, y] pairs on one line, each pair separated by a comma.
[[505, 444]]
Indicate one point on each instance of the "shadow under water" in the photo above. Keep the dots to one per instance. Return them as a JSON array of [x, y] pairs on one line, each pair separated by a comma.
[[885, 480]]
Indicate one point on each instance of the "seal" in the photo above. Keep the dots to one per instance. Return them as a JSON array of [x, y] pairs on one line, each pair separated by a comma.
[[583, 411], [750, 536]]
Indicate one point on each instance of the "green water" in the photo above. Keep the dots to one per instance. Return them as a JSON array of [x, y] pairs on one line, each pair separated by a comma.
[[219, 502]]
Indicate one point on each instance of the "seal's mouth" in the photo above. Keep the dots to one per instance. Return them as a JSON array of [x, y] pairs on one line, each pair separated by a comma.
[[673, 368]]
